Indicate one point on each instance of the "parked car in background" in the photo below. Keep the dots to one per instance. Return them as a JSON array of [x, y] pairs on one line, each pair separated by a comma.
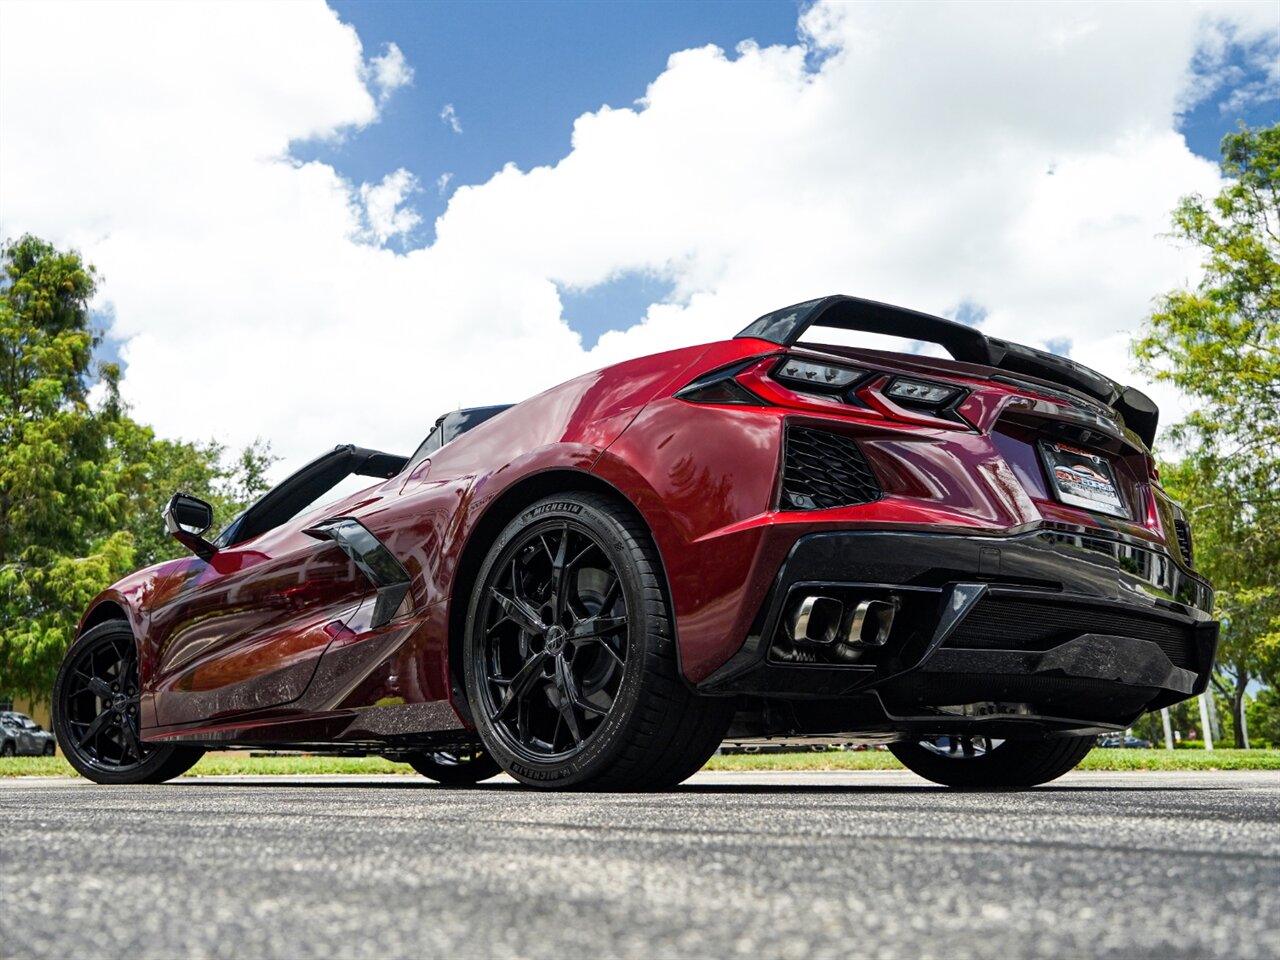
[[20, 736], [1131, 742]]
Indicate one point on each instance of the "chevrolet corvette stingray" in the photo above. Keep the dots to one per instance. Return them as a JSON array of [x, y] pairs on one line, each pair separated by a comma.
[[776, 537]]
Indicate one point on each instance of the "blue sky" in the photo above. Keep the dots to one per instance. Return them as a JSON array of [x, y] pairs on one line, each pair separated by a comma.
[[517, 74]]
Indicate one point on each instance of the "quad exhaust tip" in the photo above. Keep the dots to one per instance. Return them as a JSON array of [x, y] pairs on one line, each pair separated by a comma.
[[821, 620]]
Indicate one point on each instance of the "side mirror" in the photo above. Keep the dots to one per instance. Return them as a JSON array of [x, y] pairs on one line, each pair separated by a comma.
[[187, 518]]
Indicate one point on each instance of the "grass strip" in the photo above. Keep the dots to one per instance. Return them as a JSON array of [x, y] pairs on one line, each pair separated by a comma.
[[241, 764], [1097, 759]]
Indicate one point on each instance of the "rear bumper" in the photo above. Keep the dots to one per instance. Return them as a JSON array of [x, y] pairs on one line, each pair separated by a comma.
[[1045, 624]]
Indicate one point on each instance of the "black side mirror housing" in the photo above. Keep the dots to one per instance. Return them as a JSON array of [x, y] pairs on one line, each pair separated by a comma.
[[187, 518]]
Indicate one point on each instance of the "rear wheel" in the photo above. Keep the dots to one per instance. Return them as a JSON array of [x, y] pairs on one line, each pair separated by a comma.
[[7, 749], [982, 763], [570, 660], [455, 769], [96, 712]]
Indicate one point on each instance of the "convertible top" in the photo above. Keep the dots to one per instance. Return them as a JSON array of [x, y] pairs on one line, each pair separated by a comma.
[[785, 327]]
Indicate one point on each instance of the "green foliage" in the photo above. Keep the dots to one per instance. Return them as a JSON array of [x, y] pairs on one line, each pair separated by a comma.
[[1220, 344], [81, 483], [1263, 714], [1237, 550]]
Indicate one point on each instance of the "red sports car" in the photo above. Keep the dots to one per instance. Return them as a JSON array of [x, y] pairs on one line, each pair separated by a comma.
[[773, 537]]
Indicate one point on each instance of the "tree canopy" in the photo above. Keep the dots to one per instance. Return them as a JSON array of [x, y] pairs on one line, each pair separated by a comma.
[[1219, 342], [81, 482]]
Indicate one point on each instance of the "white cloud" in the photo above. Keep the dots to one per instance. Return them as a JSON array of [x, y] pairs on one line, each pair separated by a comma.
[[1252, 38], [384, 208], [442, 183], [910, 165], [390, 71], [450, 117]]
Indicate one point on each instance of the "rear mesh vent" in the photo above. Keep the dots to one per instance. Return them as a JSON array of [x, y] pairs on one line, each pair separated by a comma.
[[824, 470], [1002, 623], [1183, 530]]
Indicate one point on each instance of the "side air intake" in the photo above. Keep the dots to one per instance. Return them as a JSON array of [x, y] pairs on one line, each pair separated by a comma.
[[824, 470], [1183, 531]]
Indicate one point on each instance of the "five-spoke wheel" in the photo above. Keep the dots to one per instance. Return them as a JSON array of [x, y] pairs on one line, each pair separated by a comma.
[[554, 641], [570, 664], [96, 712]]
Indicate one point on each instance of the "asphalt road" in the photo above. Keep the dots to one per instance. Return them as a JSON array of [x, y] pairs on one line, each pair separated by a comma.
[[751, 865]]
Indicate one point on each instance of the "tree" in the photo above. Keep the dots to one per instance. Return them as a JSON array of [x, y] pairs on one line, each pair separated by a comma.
[[81, 483], [1238, 552], [1220, 344]]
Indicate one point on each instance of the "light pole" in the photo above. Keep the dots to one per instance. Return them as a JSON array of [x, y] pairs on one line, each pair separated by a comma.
[[1204, 720]]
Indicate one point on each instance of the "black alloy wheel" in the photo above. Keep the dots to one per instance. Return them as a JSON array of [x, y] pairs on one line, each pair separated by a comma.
[[555, 641], [455, 768], [96, 712], [7, 749], [979, 762], [570, 664]]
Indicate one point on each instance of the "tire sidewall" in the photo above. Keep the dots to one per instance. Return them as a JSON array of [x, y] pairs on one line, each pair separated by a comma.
[[604, 742]]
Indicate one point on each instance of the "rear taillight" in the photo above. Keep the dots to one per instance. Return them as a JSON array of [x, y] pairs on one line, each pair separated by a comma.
[[721, 386], [824, 378], [816, 386], [1153, 513]]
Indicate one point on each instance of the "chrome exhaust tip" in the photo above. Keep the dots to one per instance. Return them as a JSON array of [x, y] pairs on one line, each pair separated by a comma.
[[871, 623], [817, 620]]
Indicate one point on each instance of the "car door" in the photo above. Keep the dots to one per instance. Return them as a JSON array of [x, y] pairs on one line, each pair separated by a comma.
[[27, 741], [244, 628]]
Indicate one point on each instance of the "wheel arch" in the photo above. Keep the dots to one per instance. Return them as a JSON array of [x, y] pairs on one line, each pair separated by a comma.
[[111, 607], [501, 511], [100, 613]]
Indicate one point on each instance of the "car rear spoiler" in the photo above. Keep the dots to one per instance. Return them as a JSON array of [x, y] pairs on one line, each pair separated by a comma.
[[785, 327]]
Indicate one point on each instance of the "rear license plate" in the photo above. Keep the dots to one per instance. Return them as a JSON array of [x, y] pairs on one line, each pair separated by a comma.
[[1083, 479]]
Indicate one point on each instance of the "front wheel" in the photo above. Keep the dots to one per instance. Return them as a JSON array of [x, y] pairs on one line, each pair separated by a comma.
[[455, 769], [978, 763], [96, 712], [570, 660]]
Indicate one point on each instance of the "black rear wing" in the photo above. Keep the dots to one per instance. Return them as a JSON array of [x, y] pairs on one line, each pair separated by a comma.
[[785, 327]]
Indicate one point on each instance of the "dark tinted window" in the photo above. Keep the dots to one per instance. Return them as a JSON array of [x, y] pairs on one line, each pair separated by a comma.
[[451, 426], [460, 421]]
